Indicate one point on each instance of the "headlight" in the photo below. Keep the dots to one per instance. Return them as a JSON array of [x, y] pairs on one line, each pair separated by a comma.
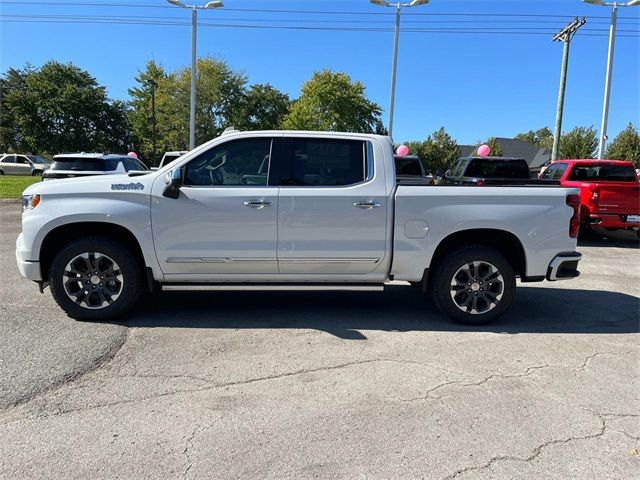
[[29, 202]]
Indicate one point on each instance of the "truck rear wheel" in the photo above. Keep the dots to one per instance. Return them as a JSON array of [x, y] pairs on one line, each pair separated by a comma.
[[94, 279], [474, 285]]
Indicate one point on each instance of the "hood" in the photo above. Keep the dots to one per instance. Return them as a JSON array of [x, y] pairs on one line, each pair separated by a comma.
[[99, 184]]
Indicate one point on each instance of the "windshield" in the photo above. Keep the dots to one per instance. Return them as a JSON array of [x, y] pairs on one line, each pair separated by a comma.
[[603, 173], [36, 159], [84, 164], [482, 168]]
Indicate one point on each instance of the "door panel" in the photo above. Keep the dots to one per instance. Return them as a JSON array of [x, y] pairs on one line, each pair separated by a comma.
[[324, 228], [210, 230], [225, 218]]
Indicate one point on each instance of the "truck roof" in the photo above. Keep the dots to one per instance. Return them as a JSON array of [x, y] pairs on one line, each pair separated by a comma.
[[595, 160], [104, 156], [305, 133]]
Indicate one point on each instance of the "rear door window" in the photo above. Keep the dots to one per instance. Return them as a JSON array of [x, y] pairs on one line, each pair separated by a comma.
[[561, 168], [321, 162], [9, 159], [549, 172]]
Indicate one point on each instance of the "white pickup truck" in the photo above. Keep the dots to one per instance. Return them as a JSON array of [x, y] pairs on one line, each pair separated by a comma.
[[287, 209]]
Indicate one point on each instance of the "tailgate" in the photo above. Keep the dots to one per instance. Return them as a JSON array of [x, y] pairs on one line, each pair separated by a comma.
[[618, 197]]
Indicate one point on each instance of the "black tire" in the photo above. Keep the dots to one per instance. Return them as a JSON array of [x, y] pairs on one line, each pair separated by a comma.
[[493, 294], [36, 173], [1, 172], [129, 283]]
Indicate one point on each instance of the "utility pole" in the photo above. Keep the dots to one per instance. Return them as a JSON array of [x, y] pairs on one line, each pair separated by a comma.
[[153, 121], [564, 36]]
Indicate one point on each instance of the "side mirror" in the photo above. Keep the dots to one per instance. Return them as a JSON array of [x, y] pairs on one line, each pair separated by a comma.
[[172, 183]]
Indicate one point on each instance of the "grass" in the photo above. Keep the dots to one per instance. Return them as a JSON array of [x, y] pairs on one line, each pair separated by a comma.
[[12, 186]]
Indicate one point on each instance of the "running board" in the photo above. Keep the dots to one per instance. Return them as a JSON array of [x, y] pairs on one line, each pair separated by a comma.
[[264, 287]]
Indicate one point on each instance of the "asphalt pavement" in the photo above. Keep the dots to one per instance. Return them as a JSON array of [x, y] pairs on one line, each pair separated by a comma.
[[323, 385]]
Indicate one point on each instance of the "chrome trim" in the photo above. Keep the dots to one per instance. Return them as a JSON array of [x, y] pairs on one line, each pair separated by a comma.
[[257, 204], [259, 288], [328, 260], [558, 260], [218, 260]]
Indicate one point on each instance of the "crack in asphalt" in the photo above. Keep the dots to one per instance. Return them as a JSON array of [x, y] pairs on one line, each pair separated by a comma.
[[189, 444], [536, 451], [462, 383], [95, 364]]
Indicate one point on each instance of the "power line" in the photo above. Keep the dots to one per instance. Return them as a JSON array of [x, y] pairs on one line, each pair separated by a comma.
[[180, 23], [311, 12]]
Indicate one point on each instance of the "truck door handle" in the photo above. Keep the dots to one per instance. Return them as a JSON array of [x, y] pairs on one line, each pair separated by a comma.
[[367, 205], [257, 204]]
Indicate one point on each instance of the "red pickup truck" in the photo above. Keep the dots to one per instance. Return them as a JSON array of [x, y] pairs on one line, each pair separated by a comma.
[[609, 191]]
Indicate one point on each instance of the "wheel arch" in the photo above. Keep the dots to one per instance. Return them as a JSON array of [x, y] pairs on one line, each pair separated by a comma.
[[501, 240], [58, 237]]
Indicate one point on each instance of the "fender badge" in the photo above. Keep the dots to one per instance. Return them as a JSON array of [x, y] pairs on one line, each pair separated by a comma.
[[127, 186]]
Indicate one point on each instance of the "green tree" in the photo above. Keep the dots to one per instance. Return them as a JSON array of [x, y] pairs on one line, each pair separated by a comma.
[[12, 82], [62, 108], [438, 152], [542, 138], [581, 142], [262, 107], [331, 101], [154, 77], [626, 146]]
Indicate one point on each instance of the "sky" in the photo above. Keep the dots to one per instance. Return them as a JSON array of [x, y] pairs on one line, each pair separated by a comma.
[[477, 68]]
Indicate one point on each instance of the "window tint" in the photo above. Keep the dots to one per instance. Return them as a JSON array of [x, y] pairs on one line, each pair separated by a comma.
[[322, 162], [133, 164], [9, 159], [482, 168], [606, 172], [21, 160], [85, 164], [408, 166], [548, 173], [240, 162], [561, 168]]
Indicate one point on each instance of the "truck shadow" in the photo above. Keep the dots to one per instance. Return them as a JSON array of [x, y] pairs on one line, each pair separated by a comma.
[[400, 308]]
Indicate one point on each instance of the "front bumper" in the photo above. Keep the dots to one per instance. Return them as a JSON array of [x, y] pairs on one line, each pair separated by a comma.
[[28, 269], [564, 266]]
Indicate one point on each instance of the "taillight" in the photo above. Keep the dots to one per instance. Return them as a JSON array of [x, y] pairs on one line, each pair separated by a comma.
[[574, 224]]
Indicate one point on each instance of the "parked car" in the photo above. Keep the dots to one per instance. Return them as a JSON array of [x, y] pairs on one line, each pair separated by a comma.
[[410, 171], [18, 164], [270, 210], [69, 165], [609, 191], [488, 171]]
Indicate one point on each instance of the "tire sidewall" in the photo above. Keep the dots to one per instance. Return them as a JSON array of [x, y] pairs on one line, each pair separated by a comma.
[[449, 266], [130, 268]]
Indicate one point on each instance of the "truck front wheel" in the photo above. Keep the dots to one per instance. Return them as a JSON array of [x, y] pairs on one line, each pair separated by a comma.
[[473, 285], [95, 278]]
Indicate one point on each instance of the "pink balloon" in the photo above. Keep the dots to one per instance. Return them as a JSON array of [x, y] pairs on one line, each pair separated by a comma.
[[132, 154], [484, 150], [402, 151]]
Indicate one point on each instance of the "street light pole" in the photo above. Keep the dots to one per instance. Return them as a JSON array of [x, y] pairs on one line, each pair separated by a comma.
[[607, 82], [194, 27], [394, 67], [194, 67], [394, 62]]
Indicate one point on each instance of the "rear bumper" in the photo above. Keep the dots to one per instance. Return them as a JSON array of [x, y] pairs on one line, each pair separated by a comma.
[[28, 269], [564, 266], [610, 221]]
